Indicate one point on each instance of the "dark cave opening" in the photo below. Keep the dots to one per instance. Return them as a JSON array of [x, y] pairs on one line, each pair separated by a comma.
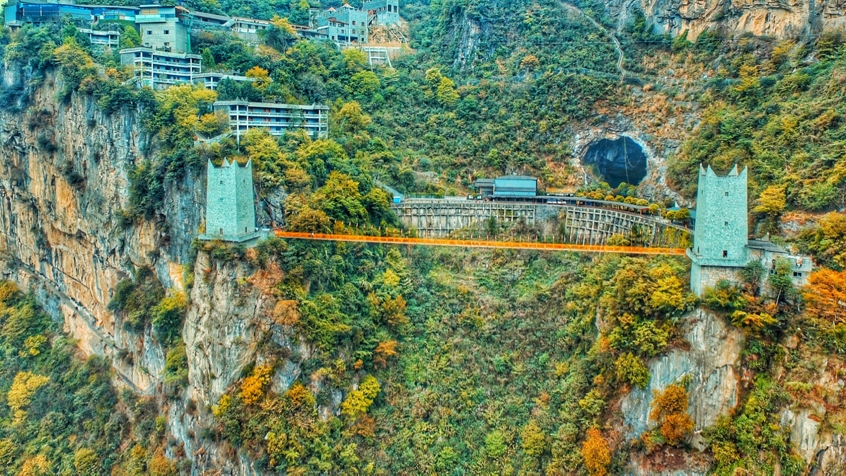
[[617, 161]]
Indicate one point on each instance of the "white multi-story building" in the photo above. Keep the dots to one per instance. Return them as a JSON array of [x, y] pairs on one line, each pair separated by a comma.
[[277, 118], [160, 69], [102, 38]]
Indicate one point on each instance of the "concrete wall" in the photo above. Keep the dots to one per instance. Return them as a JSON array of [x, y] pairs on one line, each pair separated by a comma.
[[702, 277], [174, 40]]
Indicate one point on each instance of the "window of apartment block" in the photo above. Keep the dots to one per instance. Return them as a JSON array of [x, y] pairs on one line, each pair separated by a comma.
[[149, 32], [167, 32]]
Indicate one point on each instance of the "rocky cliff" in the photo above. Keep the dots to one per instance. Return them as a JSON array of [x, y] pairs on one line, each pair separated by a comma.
[[778, 18], [64, 169]]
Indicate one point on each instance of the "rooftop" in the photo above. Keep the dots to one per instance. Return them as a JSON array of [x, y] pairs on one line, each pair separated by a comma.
[[766, 246], [270, 104], [516, 177], [159, 53]]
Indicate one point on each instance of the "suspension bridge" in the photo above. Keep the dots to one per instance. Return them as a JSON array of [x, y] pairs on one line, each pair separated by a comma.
[[512, 245]]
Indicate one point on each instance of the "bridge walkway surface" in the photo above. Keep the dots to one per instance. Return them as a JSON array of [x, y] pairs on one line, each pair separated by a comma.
[[514, 245]]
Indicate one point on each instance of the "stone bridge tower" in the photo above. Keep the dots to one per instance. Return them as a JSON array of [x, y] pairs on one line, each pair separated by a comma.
[[720, 236], [230, 207]]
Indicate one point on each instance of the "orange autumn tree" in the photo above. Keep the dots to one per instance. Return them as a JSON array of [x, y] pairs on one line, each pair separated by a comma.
[[669, 409], [825, 295], [596, 453]]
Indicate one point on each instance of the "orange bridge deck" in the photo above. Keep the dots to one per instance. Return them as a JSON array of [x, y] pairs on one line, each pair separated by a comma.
[[513, 245]]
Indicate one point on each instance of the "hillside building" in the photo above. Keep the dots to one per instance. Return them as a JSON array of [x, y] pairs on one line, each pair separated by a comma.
[[102, 39], [345, 25], [160, 69], [277, 118], [248, 29], [382, 12], [40, 12], [162, 29], [230, 203], [720, 239], [508, 186]]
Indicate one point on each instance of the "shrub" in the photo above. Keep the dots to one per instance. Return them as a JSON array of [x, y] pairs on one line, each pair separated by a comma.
[[725, 296], [252, 388], [495, 444], [359, 400], [631, 369]]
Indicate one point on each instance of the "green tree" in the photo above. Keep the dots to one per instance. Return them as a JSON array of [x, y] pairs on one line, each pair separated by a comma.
[[447, 95], [130, 38], [781, 280], [363, 85], [352, 119]]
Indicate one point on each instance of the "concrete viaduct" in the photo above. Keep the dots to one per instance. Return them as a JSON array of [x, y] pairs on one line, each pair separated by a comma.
[[586, 225]]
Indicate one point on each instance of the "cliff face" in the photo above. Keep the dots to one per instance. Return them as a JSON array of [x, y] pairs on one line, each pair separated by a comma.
[[63, 179], [779, 18]]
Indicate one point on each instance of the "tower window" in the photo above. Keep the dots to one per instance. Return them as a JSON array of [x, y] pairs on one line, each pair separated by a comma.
[[727, 223], [725, 254], [727, 194]]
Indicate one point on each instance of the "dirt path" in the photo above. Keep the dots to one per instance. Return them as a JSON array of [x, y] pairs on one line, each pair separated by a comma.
[[621, 57]]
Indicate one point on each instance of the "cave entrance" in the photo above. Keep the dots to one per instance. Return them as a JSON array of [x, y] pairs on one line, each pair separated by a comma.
[[616, 161]]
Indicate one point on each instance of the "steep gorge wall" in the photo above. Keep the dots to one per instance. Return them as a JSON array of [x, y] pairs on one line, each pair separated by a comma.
[[64, 169], [778, 18]]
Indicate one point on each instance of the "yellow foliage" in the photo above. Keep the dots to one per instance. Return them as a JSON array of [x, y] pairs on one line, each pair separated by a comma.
[[252, 388], [23, 388], [359, 400], [596, 453], [35, 466], [669, 409], [533, 439], [184, 100], [260, 75], [8, 290], [387, 348], [299, 396], [391, 278], [7, 452], [394, 311], [161, 466], [772, 201], [676, 428], [223, 405], [32, 345], [384, 351]]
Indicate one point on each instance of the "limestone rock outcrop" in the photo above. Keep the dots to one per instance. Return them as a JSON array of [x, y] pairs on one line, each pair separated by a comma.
[[64, 169], [778, 18], [712, 363]]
